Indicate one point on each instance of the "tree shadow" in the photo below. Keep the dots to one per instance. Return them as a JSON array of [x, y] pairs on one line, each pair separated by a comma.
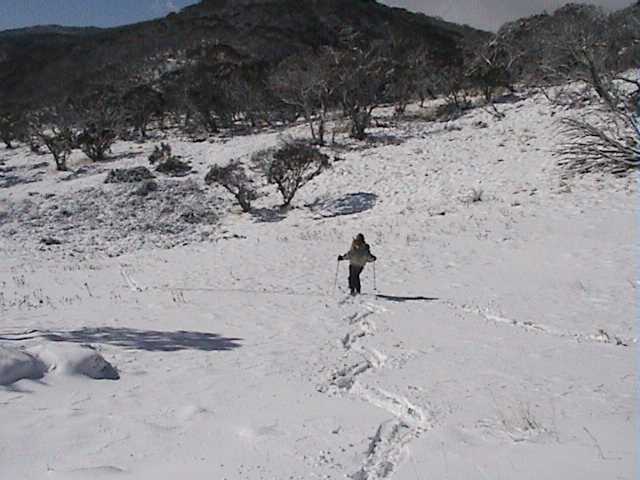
[[348, 204], [149, 340], [508, 98], [393, 298], [122, 156], [84, 171], [8, 181], [269, 215], [384, 139]]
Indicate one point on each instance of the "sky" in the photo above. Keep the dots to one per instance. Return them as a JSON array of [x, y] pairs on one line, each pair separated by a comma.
[[485, 14]]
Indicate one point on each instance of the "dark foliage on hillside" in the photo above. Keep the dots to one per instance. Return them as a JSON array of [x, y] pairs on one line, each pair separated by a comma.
[[44, 64]]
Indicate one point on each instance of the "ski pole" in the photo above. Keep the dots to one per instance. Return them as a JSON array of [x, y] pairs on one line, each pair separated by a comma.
[[335, 281], [375, 287]]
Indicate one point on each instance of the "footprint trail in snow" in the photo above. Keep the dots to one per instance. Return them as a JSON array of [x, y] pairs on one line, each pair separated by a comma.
[[387, 447]]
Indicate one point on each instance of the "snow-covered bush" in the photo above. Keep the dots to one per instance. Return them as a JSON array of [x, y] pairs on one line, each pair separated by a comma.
[[234, 179], [291, 166]]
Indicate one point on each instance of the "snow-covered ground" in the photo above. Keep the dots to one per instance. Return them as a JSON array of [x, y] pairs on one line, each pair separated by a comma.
[[500, 345]]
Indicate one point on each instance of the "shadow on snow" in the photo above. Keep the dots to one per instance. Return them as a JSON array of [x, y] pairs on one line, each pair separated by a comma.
[[393, 298], [269, 215], [348, 204], [150, 340]]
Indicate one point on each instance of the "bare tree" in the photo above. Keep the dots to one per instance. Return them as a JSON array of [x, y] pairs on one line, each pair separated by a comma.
[[248, 90], [492, 68], [403, 81], [455, 85], [11, 125], [306, 82], [362, 75], [606, 140], [99, 118], [141, 104], [579, 50], [427, 72], [208, 96]]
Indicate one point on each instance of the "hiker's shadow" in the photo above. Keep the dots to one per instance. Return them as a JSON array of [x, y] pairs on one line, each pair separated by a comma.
[[394, 298], [348, 204], [149, 340]]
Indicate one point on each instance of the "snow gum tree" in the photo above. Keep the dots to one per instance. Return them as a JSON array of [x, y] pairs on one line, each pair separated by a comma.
[[234, 179], [291, 166], [54, 129]]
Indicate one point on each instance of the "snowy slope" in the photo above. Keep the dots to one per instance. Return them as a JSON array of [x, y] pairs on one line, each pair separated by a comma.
[[501, 345]]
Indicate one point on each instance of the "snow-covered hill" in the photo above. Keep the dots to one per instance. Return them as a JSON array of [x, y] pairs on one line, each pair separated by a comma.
[[499, 343]]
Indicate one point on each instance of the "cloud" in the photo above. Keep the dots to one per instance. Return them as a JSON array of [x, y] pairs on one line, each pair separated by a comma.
[[163, 7], [491, 14]]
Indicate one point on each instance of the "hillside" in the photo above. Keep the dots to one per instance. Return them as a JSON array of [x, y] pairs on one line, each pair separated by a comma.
[[39, 64], [151, 328]]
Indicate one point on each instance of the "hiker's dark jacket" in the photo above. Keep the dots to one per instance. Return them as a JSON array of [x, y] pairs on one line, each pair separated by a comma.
[[359, 255]]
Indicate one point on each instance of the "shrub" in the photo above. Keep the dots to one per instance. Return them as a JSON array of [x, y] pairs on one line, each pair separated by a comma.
[[291, 166], [160, 154], [608, 140], [60, 143], [234, 179], [96, 142], [168, 163], [142, 103], [129, 175], [611, 145], [98, 116], [10, 128]]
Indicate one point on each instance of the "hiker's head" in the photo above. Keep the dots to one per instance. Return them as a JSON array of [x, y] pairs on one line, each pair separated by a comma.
[[359, 240]]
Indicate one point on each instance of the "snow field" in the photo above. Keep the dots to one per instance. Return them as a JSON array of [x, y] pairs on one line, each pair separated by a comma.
[[501, 345]]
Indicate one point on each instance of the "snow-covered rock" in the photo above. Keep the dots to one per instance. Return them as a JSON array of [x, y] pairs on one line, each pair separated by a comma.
[[75, 360], [16, 364]]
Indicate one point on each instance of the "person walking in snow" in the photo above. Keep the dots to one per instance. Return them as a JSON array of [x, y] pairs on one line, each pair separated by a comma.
[[359, 255]]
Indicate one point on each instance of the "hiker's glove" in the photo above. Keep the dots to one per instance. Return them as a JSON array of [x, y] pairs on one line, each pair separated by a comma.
[[340, 258], [374, 258]]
